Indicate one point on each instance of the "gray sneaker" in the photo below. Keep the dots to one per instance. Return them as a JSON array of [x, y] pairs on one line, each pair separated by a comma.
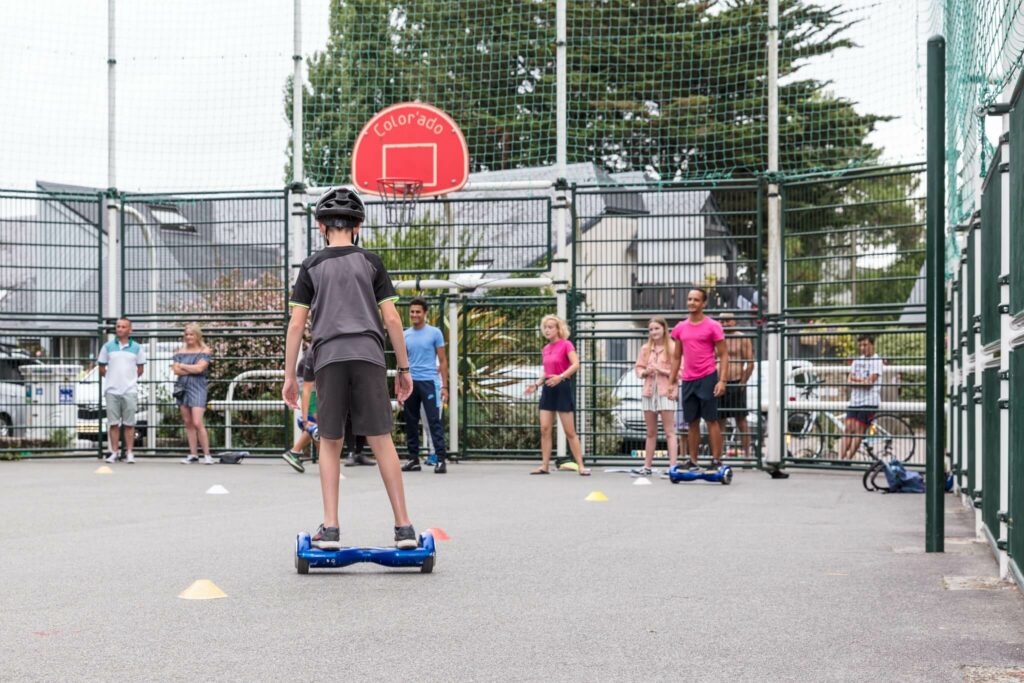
[[405, 538], [326, 538], [641, 472]]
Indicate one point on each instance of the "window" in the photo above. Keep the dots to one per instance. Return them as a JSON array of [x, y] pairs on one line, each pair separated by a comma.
[[616, 350], [170, 218]]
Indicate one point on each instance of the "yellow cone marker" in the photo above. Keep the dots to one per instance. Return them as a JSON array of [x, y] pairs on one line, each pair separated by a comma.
[[569, 466], [103, 469], [203, 589], [596, 497]]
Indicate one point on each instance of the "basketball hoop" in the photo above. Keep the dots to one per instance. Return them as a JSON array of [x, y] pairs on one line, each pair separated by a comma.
[[400, 197]]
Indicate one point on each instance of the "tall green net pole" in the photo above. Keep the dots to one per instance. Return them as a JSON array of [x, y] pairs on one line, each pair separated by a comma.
[[935, 316]]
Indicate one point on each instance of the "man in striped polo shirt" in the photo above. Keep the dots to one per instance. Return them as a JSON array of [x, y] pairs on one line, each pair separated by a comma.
[[121, 362]]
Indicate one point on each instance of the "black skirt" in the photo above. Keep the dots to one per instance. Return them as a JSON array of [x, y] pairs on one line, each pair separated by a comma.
[[558, 398]]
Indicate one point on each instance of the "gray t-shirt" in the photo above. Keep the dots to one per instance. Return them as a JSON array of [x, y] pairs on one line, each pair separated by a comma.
[[343, 288]]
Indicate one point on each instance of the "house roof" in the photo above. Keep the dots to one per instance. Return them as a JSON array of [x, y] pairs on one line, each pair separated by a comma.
[[233, 234], [88, 210]]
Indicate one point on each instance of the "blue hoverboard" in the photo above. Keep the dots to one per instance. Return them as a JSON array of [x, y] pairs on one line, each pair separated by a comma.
[[722, 475], [307, 556]]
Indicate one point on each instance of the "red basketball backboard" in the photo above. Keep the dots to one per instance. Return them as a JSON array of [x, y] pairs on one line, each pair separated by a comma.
[[413, 141]]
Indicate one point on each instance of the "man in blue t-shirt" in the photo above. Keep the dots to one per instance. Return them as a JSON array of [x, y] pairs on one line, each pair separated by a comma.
[[426, 354]]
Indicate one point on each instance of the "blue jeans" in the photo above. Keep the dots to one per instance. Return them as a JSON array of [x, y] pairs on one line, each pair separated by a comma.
[[424, 392]]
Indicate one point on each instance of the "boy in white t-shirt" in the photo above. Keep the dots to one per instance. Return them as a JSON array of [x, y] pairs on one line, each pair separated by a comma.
[[865, 382]]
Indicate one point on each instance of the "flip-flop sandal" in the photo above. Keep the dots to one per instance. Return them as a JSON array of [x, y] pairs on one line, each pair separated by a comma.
[[584, 473], [540, 470]]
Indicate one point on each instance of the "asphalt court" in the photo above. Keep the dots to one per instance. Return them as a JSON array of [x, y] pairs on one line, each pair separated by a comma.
[[809, 578]]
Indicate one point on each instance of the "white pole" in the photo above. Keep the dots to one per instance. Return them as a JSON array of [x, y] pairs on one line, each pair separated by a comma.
[[113, 227], [775, 266], [298, 172], [1004, 353], [453, 379], [561, 87], [561, 305], [154, 288], [560, 271], [111, 96], [453, 339]]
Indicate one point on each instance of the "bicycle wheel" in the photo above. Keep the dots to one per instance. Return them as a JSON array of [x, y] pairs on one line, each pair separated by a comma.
[[894, 438], [874, 478], [804, 437]]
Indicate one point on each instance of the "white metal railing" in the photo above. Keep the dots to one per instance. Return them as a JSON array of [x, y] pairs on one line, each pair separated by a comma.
[[811, 404], [229, 404]]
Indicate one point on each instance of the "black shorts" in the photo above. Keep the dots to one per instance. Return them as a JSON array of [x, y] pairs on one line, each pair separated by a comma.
[[735, 398], [356, 390], [698, 399], [865, 414], [559, 398]]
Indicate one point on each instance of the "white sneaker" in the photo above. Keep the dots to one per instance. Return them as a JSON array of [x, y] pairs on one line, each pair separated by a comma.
[[190, 459], [207, 460], [130, 458], [112, 458]]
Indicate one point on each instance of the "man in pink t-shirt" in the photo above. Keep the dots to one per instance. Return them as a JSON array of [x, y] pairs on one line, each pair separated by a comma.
[[699, 339]]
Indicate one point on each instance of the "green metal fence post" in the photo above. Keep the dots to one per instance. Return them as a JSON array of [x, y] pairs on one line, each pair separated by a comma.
[[760, 369], [463, 360], [934, 512], [101, 339], [286, 431]]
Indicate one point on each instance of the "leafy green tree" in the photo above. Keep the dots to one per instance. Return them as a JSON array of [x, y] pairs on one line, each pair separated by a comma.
[[855, 241], [675, 87]]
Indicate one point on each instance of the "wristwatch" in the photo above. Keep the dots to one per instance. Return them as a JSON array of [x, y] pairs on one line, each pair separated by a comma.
[[401, 369]]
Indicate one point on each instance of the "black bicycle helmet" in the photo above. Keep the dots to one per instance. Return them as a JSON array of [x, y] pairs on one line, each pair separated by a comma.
[[339, 202]]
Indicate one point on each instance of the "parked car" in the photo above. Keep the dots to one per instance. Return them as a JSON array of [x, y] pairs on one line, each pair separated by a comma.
[[628, 417], [156, 378], [13, 404]]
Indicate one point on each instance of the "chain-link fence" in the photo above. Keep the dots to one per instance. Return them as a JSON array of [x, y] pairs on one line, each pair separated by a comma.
[[637, 251], [51, 289], [218, 261], [853, 389]]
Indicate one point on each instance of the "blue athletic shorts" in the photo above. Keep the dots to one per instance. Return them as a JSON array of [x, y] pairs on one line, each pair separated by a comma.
[[697, 397]]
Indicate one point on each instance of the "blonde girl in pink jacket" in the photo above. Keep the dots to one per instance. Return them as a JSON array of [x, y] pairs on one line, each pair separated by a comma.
[[654, 366]]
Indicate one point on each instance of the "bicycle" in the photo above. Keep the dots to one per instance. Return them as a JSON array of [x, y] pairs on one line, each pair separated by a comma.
[[810, 435]]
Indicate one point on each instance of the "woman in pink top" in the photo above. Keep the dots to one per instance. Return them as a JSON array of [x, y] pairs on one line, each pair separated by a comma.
[[654, 366], [560, 363]]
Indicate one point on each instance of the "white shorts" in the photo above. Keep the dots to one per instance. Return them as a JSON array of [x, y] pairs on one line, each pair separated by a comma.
[[657, 403]]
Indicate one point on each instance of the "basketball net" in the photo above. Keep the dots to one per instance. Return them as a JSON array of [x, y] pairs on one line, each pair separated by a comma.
[[400, 196]]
